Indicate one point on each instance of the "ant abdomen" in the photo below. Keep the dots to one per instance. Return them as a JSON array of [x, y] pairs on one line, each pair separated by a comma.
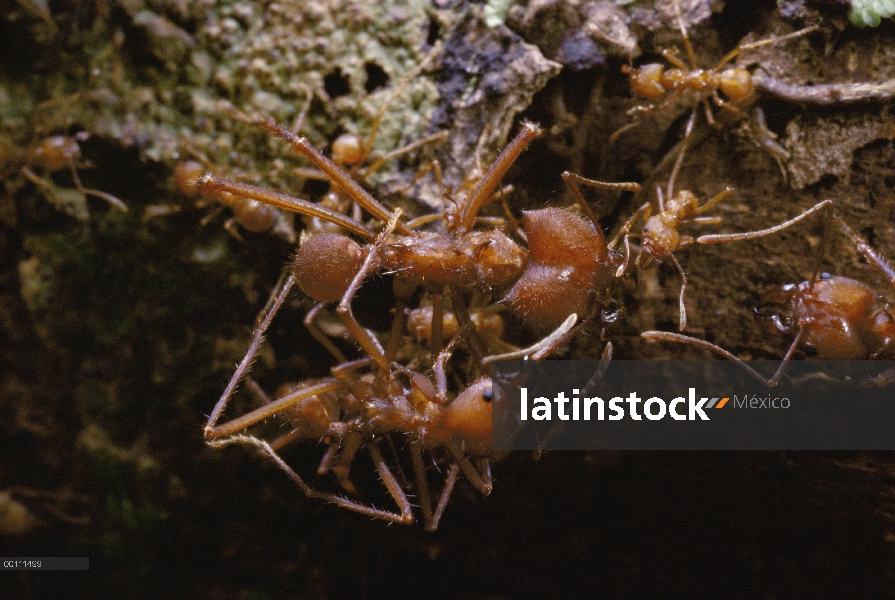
[[568, 263], [348, 149], [325, 265]]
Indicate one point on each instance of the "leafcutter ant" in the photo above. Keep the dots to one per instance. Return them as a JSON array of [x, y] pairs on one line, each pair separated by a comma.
[[463, 258], [51, 154], [358, 406], [831, 317], [656, 82]]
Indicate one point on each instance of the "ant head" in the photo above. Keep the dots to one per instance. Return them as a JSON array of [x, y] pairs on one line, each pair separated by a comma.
[[348, 149], [256, 216], [646, 80], [326, 264], [57, 151], [186, 177], [736, 84], [469, 415]]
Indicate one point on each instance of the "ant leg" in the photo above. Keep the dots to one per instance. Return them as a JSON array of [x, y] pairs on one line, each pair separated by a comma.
[[328, 457], [709, 204], [645, 211], [279, 296], [349, 445], [319, 335], [422, 486], [91, 192], [682, 306], [368, 146], [213, 182], [673, 59], [265, 399], [482, 484], [869, 253], [665, 336], [335, 173], [736, 51], [572, 181], [723, 238], [449, 483], [405, 517], [259, 414], [680, 157], [689, 47], [377, 164], [437, 325], [473, 340], [495, 173], [361, 335], [543, 347], [391, 484], [724, 105], [231, 228]]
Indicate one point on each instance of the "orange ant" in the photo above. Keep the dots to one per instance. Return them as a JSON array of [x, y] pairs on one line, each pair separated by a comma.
[[350, 411], [561, 264], [252, 215], [52, 154], [832, 317], [326, 264], [655, 82]]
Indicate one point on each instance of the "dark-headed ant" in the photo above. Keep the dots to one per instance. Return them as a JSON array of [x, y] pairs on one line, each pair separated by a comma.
[[831, 317]]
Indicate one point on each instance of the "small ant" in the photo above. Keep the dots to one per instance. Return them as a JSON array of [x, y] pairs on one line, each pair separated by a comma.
[[832, 317], [571, 258], [51, 154], [655, 82], [252, 215]]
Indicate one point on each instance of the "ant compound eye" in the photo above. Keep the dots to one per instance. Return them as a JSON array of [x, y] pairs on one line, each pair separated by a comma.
[[488, 395], [825, 275]]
